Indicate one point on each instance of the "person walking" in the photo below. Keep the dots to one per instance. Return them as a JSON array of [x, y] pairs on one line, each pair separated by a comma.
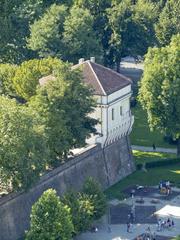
[[154, 147], [128, 227]]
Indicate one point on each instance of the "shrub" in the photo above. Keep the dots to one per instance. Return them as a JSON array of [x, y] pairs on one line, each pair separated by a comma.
[[81, 209], [158, 163], [93, 189], [50, 219], [161, 163]]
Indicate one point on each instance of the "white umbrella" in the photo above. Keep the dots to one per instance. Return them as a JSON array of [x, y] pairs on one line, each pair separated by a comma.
[[169, 211]]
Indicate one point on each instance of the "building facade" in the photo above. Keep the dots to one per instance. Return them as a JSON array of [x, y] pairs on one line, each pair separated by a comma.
[[112, 92]]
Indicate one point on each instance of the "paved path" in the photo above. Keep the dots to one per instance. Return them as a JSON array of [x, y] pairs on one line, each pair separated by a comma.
[[119, 231], [150, 149]]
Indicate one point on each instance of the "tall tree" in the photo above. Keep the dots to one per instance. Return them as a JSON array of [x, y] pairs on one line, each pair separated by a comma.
[[50, 219], [63, 105], [132, 28], [23, 151], [47, 32], [169, 22], [160, 89], [98, 9], [79, 37], [15, 18]]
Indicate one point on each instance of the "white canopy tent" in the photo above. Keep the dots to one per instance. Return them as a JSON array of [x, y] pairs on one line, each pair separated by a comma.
[[169, 211]]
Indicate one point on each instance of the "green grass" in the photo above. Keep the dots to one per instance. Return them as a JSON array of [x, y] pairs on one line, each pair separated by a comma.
[[144, 157], [149, 178], [141, 134]]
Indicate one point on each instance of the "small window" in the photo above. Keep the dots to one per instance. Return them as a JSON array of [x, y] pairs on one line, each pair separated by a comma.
[[121, 110], [112, 113]]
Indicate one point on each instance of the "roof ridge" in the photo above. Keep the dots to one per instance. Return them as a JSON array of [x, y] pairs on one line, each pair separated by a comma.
[[111, 70], [89, 63]]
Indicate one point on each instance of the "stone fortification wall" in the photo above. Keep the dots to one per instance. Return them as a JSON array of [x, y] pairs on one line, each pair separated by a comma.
[[107, 165]]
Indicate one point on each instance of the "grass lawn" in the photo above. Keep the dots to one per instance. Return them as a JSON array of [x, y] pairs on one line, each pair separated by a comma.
[[141, 134], [149, 178], [143, 157]]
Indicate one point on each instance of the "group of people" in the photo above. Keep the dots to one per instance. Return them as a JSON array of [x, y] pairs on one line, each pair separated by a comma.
[[165, 224], [164, 187]]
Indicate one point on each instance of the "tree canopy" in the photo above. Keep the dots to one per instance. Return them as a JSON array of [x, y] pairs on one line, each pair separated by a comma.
[[47, 32], [81, 209], [168, 23], [27, 75], [23, 150], [64, 105], [160, 89], [50, 219], [132, 28], [79, 37]]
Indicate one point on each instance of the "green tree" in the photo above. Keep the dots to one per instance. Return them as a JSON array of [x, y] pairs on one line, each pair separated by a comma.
[[64, 105], [7, 72], [23, 151], [160, 89], [98, 9], [27, 75], [132, 29], [93, 189], [47, 32], [50, 219], [79, 37], [16, 16], [169, 22], [81, 208], [14, 21]]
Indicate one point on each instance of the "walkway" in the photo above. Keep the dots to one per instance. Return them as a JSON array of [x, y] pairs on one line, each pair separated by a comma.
[[119, 231], [150, 149]]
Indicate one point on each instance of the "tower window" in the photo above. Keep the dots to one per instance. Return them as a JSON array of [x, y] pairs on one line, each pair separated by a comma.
[[112, 113]]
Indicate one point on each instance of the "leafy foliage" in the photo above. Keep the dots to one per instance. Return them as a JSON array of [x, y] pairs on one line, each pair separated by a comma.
[[7, 72], [129, 23], [79, 37], [168, 23], [22, 146], [93, 189], [46, 32], [50, 219], [64, 105], [160, 88], [81, 209], [27, 75]]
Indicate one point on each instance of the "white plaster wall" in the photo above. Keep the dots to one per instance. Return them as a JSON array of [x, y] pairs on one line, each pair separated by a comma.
[[109, 129], [122, 92]]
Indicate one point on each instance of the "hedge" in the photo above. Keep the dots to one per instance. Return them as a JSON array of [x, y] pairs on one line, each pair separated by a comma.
[[159, 163]]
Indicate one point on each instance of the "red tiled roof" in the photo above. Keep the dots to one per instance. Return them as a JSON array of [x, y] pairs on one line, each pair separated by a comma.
[[103, 81]]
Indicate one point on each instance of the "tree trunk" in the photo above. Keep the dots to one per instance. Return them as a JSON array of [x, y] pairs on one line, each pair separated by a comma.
[[178, 147]]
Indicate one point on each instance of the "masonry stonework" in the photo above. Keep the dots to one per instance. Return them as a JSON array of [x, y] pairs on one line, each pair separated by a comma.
[[107, 165]]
